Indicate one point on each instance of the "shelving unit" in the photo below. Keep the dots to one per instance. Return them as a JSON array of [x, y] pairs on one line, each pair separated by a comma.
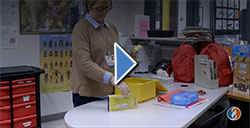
[[238, 96], [165, 40]]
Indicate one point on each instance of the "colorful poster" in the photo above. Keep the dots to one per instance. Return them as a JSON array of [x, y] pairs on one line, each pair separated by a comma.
[[50, 16], [56, 60]]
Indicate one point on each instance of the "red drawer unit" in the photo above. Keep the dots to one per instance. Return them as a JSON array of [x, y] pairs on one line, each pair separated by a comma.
[[19, 110], [21, 122], [18, 98], [4, 83]]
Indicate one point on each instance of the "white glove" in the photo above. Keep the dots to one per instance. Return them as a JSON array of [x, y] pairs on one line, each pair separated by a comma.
[[123, 87]]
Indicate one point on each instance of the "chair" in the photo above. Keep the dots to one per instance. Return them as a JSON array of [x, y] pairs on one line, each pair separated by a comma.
[[219, 119], [213, 118]]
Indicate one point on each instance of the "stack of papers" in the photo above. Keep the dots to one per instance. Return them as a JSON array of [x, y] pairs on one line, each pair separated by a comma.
[[196, 33]]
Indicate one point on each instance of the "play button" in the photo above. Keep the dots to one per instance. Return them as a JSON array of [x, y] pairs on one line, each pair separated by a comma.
[[123, 63]]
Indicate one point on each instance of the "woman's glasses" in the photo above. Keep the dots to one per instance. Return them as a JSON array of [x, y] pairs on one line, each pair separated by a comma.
[[105, 8]]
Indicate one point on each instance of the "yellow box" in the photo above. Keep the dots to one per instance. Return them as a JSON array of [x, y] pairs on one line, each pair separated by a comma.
[[145, 89], [122, 102]]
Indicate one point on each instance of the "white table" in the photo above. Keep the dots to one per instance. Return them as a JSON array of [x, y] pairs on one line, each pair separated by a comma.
[[147, 114]]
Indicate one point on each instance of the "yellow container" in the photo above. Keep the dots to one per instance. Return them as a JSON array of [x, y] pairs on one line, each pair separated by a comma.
[[145, 89]]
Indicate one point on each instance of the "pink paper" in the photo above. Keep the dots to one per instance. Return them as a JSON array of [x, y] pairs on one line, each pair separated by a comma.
[[143, 28]]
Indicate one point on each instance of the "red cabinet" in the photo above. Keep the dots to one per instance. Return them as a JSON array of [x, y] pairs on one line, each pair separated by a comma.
[[20, 97]]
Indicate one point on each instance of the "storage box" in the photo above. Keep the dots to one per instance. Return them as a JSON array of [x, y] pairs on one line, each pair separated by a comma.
[[241, 78], [19, 110], [144, 89], [18, 98], [184, 98], [21, 122], [200, 78], [122, 102]]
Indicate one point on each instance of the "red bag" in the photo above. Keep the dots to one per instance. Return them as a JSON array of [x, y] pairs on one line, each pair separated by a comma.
[[183, 64], [216, 52]]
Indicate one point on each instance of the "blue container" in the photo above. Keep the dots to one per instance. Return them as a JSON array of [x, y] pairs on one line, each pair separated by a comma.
[[184, 98]]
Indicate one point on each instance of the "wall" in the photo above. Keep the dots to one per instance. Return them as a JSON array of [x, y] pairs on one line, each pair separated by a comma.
[[206, 13], [182, 20], [122, 14], [27, 52]]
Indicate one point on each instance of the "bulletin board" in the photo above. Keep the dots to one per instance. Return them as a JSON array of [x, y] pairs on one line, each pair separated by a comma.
[[56, 60], [226, 19]]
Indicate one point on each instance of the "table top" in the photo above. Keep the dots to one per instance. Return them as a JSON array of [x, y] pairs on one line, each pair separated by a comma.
[[238, 96], [95, 114]]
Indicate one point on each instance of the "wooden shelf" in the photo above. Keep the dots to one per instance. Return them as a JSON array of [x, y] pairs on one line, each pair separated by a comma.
[[166, 39], [238, 96], [155, 38]]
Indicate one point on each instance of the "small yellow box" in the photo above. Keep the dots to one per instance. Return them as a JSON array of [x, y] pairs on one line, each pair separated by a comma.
[[145, 89], [122, 102]]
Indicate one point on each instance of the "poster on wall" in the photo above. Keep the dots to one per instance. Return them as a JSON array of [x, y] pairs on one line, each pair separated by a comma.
[[8, 20], [226, 19], [50, 16], [56, 60]]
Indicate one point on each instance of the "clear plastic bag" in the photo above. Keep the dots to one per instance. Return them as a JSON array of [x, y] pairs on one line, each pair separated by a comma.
[[184, 98]]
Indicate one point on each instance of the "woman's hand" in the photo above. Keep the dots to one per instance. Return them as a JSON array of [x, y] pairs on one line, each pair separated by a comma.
[[123, 87]]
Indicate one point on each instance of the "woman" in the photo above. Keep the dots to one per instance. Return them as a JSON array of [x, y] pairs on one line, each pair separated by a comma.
[[92, 41]]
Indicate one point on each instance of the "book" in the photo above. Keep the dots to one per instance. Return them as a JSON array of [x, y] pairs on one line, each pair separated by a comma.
[[215, 71]]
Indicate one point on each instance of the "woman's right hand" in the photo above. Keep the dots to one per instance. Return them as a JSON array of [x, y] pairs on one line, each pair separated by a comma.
[[123, 87]]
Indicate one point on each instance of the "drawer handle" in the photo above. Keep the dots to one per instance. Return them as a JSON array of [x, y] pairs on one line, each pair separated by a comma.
[[20, 82], [27, 124], [29, 81], [29, 106]]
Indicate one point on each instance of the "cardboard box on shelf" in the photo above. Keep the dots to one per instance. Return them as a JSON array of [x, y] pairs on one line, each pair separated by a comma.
[[240, 55], [241, 81]]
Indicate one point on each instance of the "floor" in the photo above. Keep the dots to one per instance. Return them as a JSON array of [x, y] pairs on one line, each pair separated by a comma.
[[54, 124], [53, 121]]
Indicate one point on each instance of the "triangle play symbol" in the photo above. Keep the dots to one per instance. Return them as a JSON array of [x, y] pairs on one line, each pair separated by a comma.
[[123, 63]]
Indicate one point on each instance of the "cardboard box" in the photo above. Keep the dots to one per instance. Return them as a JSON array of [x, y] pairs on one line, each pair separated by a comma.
[[241, 81], [122, 102], [240, 57]]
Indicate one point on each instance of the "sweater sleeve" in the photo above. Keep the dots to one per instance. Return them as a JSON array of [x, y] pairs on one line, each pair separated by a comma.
[[82, 55]]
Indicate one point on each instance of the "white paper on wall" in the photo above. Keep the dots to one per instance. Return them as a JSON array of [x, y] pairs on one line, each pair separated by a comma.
[[8, 23]]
